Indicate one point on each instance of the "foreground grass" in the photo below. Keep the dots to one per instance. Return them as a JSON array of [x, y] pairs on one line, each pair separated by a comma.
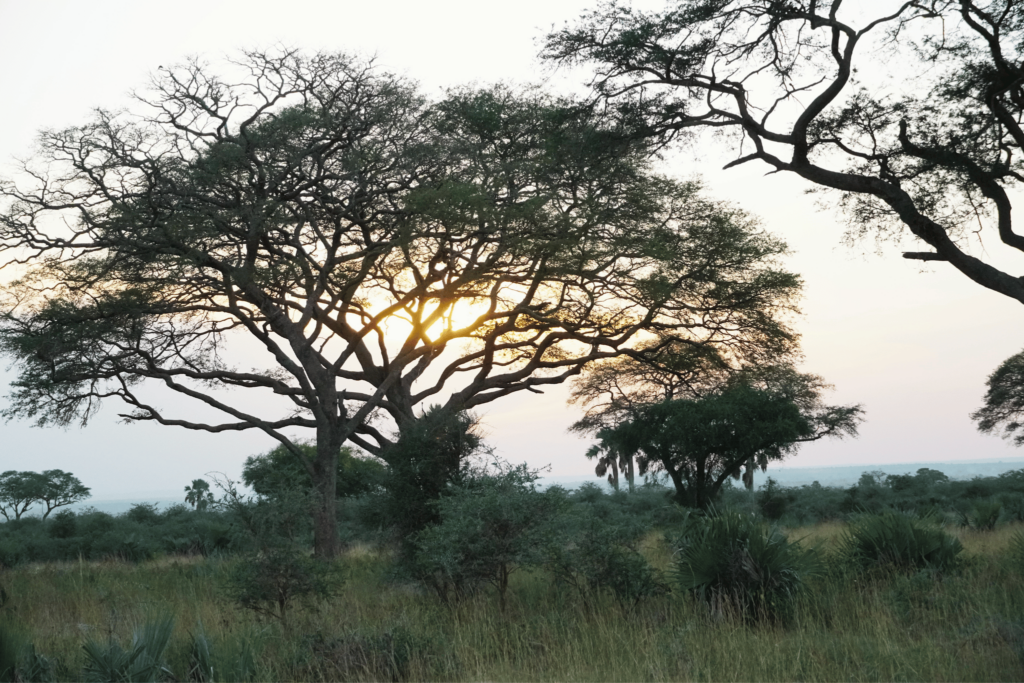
[[968, 626]]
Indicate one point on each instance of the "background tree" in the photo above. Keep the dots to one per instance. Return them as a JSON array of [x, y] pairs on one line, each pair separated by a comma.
[[701, 442], [19, 491], [911, 112], [198, 495], [360, 236], [1003, 407], [272, 474], [60, 488], [611, 391]]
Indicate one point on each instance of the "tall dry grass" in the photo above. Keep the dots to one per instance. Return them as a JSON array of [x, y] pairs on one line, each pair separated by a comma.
[[957, 627]]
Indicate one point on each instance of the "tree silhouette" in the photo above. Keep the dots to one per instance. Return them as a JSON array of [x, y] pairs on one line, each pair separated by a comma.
[[378, 252]]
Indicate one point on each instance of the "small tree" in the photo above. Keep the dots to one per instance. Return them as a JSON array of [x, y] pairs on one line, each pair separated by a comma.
[[490, 526], [198, 495], [615, 391], [277, 571], [597, 553]]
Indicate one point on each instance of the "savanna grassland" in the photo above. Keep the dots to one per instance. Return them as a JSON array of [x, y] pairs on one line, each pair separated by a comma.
[[966, 624]]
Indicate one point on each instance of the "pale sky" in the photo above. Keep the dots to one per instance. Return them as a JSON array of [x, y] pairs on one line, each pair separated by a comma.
[[913, 345]]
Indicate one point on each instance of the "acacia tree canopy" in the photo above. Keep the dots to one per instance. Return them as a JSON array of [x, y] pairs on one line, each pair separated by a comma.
[[701, 442], [380, 250], [19, 491], [911, 112], [60, 488], [1003, 407]]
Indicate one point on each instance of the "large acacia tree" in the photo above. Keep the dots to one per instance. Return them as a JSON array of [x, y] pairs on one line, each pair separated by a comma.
[[380, 250], [910, 111]]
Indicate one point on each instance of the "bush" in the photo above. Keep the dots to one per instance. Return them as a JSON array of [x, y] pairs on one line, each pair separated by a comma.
[[143, 513], [732, 562], [899, 541], [773, 500], [985, 515], [490, 526], [228, 659], [63, 524], [432, 453], [596, 551], [393, 654], [142, 661], [1016, 551], [270, 582]]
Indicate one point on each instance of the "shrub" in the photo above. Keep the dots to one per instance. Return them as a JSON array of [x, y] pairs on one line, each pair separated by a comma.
[[142, 661], [63, 524], [228, 659], [1016, 551], [731, 561], [986, 514], [599, 553], [270, 582], [392, 654], [143, 513], [490, 526], [432, 453], [773, 499], [899, 541]]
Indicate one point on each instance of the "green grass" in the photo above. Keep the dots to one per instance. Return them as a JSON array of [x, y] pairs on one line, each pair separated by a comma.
[[963, 626]]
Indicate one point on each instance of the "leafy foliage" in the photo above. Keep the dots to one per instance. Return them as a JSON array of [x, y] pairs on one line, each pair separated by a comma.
[[701, 442], [734, 563], [432, 453], [279, 471], [597, 550], [899, 541], [141, 661], [490, 525]]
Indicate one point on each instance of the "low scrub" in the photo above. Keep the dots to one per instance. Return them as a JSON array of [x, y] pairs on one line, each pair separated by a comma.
[[600, 554], [734, 563], [899, 541]]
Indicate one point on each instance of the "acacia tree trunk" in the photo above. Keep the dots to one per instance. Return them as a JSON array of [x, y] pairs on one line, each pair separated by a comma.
[[326, 544]]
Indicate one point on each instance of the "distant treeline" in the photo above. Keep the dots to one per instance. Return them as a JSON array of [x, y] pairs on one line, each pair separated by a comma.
[[928, 492], [144, 531]]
